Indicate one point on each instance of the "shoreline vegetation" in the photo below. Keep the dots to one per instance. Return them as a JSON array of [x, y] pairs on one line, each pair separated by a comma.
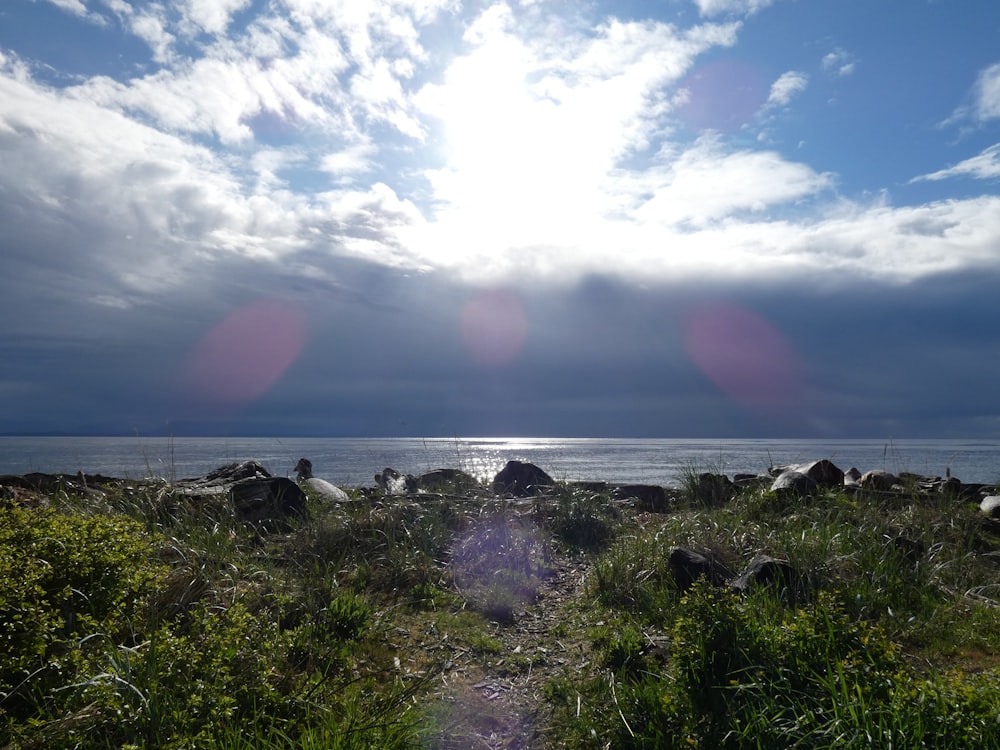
[[832, 611]]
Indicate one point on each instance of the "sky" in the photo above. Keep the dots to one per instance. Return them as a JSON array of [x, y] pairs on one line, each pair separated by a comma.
[[681, 218]]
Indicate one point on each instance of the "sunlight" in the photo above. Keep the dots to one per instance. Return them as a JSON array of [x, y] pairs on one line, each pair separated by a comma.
[[523, 159]]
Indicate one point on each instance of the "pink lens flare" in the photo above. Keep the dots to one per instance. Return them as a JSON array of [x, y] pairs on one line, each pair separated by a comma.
[[494, 328], [745, 356], [722, 95], [242, 357]]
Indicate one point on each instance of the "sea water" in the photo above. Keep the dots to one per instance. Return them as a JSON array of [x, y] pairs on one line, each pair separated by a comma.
[[353, 462]]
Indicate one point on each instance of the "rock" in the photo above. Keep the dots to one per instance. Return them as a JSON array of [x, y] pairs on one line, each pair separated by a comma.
[[322, 489], [79, 484], [748, 481], [712, 489], [445, 479], [687, 566], [521, 479], [852, 477], [394, 483], [648, 497], [825, 473], [877, 479], [765, 570], [267, 501], [794, 483], [234, 473], [590, 486], [990, 506]]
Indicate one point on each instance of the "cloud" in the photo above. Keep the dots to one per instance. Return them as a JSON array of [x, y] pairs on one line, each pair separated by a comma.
[[710, 8], [76, 7], [987, 94], [840, 62], [149, 24], [212, 16], [984, 166], [705, 183], [787, 86]]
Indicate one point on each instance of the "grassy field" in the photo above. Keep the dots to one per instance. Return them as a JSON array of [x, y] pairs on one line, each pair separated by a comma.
[[147, 619]]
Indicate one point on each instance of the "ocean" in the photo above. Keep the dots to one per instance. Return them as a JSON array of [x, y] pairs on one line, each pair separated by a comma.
[[353, 462]]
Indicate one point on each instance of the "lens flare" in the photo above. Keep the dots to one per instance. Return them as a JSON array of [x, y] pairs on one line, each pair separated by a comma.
[[743, 355], [494, 327], [722, 95], [240, 359]]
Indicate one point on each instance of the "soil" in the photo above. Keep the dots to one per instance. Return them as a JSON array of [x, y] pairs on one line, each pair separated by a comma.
[[496, 700]]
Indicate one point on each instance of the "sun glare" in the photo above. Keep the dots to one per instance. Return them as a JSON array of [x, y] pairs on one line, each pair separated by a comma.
[[522, 168]]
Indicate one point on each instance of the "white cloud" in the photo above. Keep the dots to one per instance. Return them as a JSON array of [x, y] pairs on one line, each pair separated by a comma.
[[987, 93], [984, 166], [840, 62], [76, 7], [705, 184], [535, 156], [212, 16], [148, 23], [787, 86], [746, 7]]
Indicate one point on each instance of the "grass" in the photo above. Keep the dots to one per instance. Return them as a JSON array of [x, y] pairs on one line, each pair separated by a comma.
[[147, 619]]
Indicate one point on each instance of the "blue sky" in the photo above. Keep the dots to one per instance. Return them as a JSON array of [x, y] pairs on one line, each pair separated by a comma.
[[708, 218]]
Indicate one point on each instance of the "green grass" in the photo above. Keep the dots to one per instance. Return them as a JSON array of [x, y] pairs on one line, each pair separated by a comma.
[[147, 619], [892, 640]]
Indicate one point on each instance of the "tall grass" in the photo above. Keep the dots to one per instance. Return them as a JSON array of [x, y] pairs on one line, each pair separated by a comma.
[[892, 640]]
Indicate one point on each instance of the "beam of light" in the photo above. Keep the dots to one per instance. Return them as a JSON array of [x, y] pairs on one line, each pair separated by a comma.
[[242, 357], [745, 356], [494, 328]]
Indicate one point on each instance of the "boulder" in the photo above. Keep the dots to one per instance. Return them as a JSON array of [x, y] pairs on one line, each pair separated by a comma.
[[825, 473], [687, 566], [268, 501], [712, 489], [852, 477], [521, 479], [765, 570], [794, 483], [233, 472], [394, 483], [445, 479], [878, 479], [648, 497], [990, 507]]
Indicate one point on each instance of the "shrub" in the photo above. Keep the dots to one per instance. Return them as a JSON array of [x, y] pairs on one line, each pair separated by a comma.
[[66, 578]]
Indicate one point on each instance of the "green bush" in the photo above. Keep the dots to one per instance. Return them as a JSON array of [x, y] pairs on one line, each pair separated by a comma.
[[67, 578]]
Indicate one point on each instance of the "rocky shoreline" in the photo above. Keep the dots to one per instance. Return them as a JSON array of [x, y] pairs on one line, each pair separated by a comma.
[[258, 496]]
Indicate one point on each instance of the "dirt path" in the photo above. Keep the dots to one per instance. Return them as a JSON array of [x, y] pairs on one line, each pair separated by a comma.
[[496, 700]]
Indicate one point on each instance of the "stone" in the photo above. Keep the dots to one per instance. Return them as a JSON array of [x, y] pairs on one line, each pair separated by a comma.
[[990, 506], [648, 497], [445, 479], [521, 479], [878, 479], [712, 489], [765, 570], [687, 566], [852, 477], [267, 501], [794, 483], [320, 488], [825, 473], [394, 483], [234, 472]]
